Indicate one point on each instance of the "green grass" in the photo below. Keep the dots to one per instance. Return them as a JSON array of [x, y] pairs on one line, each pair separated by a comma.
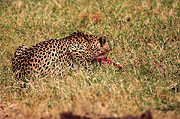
[[148, 46]]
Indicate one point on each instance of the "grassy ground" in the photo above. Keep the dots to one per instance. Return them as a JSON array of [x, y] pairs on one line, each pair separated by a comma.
[[144, 37]]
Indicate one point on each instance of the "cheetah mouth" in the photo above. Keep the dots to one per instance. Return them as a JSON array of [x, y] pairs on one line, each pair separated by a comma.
[[102, 56], [99, 58]]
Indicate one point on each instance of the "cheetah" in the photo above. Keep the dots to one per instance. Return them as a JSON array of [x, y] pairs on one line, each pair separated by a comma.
[[56, 56]]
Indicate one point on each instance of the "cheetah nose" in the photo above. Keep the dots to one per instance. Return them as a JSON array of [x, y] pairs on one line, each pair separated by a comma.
[[108, 49]]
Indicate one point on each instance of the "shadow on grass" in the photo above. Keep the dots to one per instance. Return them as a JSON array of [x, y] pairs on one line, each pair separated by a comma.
[[70, 115]]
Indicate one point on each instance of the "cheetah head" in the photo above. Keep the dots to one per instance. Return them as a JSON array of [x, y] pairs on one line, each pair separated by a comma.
[[100, 48]]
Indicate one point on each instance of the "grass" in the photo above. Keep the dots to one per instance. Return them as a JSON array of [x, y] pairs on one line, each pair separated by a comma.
[[144, 37]]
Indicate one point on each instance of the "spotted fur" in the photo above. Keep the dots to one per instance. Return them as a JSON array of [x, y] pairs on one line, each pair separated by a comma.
[[54, 56]]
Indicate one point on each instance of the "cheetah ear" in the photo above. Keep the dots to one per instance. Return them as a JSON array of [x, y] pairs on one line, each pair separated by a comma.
[[102, 40]]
